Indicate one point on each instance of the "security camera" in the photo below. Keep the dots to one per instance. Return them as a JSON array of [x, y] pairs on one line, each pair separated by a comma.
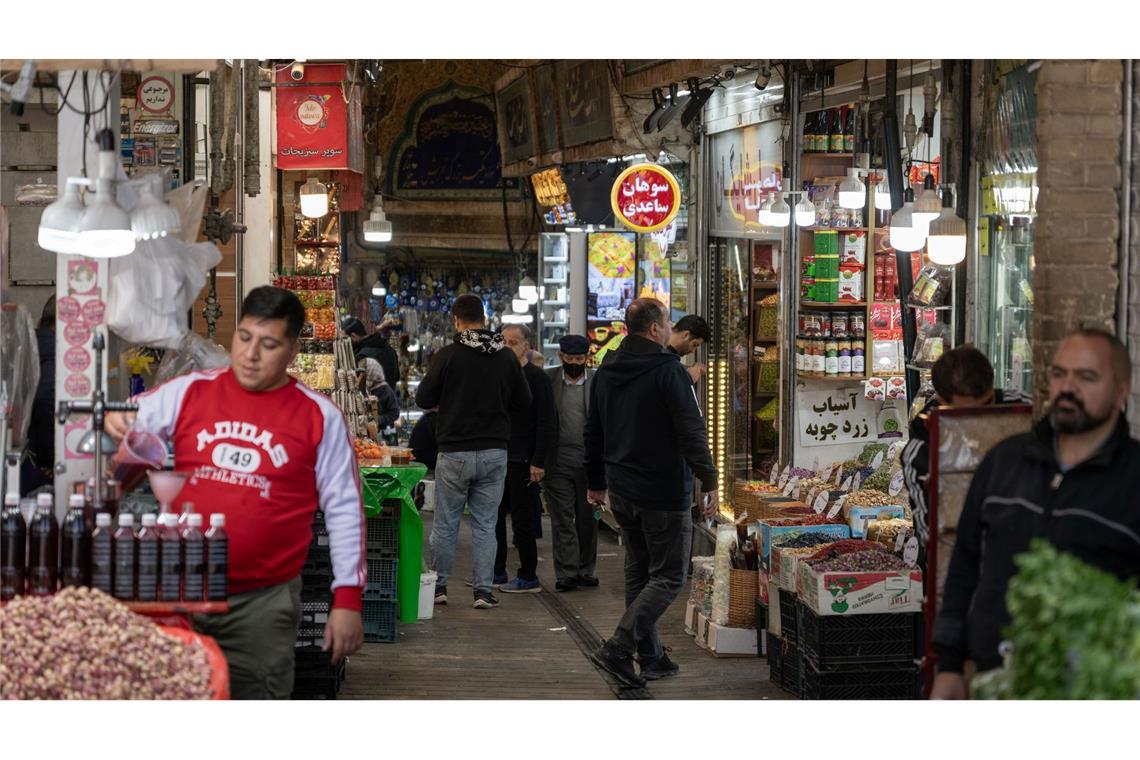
[[297, 72], [18, 92]]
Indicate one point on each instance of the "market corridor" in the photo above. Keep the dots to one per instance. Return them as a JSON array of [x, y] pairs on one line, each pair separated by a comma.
[[533, 646]]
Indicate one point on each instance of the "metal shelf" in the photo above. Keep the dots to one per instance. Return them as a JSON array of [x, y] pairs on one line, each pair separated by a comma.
[[832, 378], [847, 305]]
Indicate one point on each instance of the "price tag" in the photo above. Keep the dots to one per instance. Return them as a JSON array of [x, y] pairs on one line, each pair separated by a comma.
[[838, 474], [895, 449], [877, 461], [838, 505], [867, 521], [910, 554], [784, 478], [796, 490], [899, 539], [791, 486], [775, 474], [821, 502], [858, 481], [847, 483], [896, 484], [811, 494], [827, 471]]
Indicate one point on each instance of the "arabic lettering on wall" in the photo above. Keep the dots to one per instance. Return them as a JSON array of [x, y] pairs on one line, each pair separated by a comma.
[[837, 416], [747, 167]]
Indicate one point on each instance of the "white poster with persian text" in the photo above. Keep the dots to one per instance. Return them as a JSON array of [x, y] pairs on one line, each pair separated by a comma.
[[840, 415]]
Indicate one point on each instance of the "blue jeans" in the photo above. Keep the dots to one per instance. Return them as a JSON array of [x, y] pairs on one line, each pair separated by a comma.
[[474, 478]]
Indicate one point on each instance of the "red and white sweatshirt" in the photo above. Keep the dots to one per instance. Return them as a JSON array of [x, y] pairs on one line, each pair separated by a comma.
[[265, 460]]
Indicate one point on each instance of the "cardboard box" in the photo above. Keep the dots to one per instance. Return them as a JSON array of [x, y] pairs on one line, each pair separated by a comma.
[[839, 593], [858, 517], [769, 532], [784, 566], [764, 597], [737, 642]]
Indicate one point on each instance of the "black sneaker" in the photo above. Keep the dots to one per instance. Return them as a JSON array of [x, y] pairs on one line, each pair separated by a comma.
[[588, 581], [567, 585], [441, 594], [662, 667], [485, 600], [619, 665]]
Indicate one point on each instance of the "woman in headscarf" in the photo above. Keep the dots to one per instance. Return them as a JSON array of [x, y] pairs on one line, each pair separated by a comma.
[[387, 404]]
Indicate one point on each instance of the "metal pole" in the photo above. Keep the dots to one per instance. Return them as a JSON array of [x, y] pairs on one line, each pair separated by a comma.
[[1125, 261], [789, 286]]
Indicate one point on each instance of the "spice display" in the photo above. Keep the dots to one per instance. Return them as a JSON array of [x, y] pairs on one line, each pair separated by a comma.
[[722, 563], [802, 540], [885, 531], [871, 450], [846, 546], [96, 649], [868, 497], [860, 562], [700, 589]]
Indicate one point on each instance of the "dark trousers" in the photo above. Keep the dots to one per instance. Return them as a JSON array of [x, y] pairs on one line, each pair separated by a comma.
[[574, 536], [657, 546], [518, 501]]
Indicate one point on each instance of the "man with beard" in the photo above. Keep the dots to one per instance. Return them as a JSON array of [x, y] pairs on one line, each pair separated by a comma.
[[1073, 481]]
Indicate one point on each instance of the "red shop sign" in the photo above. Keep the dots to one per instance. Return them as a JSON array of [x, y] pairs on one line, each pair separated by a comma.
[[316, 122], [646, 197]]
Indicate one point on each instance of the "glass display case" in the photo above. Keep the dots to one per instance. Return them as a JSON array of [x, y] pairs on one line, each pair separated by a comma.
[[554, 294], [1011, 302]]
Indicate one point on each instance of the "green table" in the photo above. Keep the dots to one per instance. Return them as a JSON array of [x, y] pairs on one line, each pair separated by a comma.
[[399, 482]]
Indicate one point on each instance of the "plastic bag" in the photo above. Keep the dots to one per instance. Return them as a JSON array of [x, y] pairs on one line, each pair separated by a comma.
[[930, 343], [931, 288], [19, 370], [191, 353]]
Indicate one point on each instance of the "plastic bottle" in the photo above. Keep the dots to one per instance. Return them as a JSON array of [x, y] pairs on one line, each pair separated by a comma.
[[75, 564], [170, 560], [43, 549], [193, 559], [148, 560], [102, 554], [126, 558], [217, 559], [14, 544]]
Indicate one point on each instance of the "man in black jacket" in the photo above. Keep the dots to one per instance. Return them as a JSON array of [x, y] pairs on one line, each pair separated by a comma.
[[690, 333], [532, 433], [1074, 481], [374, 346], [962, 377], [645, 438], [476, 385]]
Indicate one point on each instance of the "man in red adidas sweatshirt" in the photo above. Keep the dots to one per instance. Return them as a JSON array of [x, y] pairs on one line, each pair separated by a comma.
[[266, 451]]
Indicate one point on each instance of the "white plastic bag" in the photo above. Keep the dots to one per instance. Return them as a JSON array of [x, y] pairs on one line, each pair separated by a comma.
[[192, 352]]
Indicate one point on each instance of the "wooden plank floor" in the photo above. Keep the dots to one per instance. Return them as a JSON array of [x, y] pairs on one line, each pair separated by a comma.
[[524, 650]]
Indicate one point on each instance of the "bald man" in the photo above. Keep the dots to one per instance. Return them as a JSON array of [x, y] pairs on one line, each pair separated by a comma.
[[1073, 481], [645, 440]]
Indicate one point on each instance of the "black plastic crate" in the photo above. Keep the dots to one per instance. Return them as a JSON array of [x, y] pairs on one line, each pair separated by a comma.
[[788, 624], [381, 580], [791, 671], [316, 687], [775, 659], [315, 611], [379, 620], [383, 535], [873, 682], [831, 640]]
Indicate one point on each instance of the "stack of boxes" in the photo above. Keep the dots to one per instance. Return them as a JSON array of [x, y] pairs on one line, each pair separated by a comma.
[[383, 546], [315, 677]]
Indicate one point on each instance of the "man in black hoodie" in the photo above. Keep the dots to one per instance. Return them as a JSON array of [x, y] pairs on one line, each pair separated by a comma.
[[476, 385], [374, 346], [645, 438], [1073, 481]]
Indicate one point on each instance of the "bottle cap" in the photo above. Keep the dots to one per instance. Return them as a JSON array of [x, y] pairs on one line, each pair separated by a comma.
[[11, 500], [44, 500], [126, 520], [103, 520], [217, 520], [195, 519], [149, 521], [170, 520], [76, 500]]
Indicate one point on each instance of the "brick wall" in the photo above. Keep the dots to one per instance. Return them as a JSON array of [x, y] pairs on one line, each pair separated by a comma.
[[1079, 128], [1134, 285]]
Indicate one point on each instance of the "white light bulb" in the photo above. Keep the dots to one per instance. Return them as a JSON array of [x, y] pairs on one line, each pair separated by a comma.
[[904, 235], [805, 213], [59, 223], [946, 244], [780, 213], [852, 191], [314, 198]]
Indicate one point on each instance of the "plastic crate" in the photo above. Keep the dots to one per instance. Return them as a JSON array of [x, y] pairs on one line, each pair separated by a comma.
[[383, 534], [788, 623], [831, 640], [791, 671], [317, 687], [315, 611], [775, 659], [379, 621], [381, 580], [875, 682]]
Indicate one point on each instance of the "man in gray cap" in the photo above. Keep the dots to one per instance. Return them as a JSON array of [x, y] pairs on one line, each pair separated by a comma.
[[575, 531]]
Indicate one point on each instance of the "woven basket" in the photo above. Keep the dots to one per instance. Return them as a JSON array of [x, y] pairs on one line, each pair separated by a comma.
[[743, 590]]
